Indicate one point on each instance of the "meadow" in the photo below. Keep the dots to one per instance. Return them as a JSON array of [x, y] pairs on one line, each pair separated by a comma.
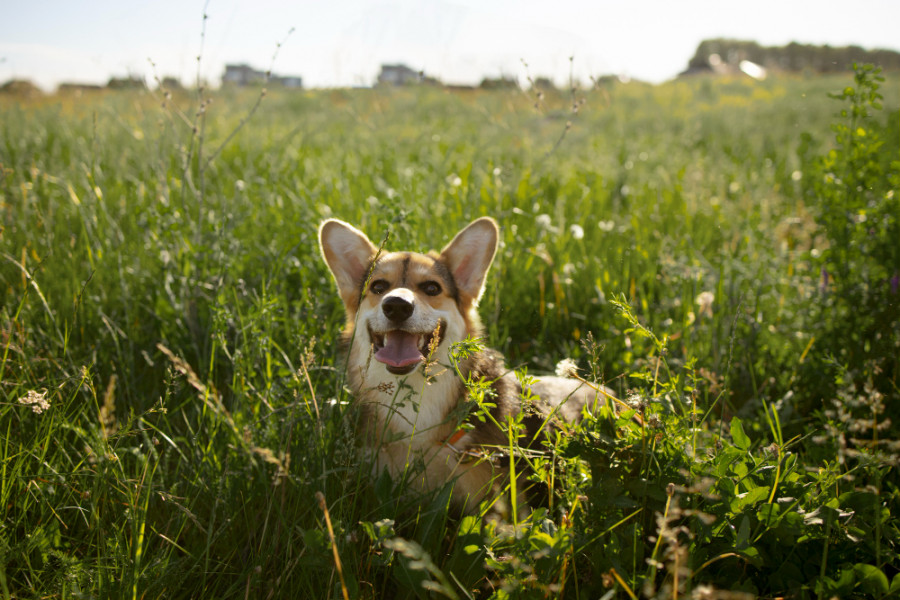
[[721, 252]]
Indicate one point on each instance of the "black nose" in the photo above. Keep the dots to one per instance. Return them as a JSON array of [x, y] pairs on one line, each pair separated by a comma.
[[396, 309]]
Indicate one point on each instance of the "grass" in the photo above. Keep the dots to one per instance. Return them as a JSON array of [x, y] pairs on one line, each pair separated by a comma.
[[168, 302]]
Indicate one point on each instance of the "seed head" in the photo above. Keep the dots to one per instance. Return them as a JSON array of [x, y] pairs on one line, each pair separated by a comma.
[[567, 368], [36, 400]]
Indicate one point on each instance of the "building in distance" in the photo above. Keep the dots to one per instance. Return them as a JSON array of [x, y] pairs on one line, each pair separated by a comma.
[[243, 75]]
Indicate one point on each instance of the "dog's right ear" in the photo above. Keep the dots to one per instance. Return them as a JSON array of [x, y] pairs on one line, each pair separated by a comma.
[[348, 253]]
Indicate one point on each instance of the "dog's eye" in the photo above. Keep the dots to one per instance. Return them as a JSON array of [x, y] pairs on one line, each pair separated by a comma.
[[379, 286], [432, 288]]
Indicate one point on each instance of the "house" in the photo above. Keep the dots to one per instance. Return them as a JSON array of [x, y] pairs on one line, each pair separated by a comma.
[[242, 75], [398, 75], [288, 81]]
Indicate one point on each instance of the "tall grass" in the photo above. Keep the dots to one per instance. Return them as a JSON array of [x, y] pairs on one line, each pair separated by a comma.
[[174, 313]]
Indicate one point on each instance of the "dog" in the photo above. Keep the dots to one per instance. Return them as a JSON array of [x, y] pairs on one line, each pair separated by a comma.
[[405, 311]]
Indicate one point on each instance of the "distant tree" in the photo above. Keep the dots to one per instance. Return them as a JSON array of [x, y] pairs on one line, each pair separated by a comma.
[[793, 57], [22, 88], [498, 83], [543, 83], [126, 83], [171, 83]]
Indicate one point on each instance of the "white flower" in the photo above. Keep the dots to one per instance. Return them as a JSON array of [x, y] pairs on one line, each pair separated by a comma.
[[543, 221], [634, 400], [606, 225], [705, 300], [36, 400], [566, 368], [577, 231]]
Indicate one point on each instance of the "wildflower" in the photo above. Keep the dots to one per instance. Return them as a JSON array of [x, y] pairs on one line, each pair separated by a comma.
[[36, 400], [543, 221], [577, 231], [567, 368], [635, 401], [705, 300], [606, 225]]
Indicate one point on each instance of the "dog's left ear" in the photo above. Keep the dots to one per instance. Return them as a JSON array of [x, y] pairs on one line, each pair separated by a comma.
[[470, 254]]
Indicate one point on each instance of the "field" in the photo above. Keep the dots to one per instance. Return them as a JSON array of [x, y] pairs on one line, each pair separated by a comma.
[[721, 252]]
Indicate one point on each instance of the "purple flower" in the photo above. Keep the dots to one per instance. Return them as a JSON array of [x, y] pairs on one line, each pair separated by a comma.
[[895, 283]]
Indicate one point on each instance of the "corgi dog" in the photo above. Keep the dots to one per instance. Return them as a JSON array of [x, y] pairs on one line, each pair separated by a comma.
[[404, 313]]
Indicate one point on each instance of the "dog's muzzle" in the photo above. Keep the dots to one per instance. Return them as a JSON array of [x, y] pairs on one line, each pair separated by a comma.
[[396, 308], [402, 351]]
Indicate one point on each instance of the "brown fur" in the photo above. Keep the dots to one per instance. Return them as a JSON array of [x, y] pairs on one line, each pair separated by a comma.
[[411, 415]]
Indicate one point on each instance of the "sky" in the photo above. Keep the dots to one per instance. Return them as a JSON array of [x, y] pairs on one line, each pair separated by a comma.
[[336, 43]]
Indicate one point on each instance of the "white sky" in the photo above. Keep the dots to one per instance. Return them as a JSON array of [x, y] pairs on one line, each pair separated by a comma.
[[344, 42]]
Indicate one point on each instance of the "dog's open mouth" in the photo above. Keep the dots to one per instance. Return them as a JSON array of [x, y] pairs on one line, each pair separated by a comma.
[[401, 351]]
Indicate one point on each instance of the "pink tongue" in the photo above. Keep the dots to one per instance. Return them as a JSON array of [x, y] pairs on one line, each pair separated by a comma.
[[400, 349]]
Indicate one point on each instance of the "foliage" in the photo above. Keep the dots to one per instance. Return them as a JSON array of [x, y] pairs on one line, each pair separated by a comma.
[[794, 57], [173, 420], [854, 189]]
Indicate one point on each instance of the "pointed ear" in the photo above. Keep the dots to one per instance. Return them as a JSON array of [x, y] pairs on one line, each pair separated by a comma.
[[470, 254], [348, 253]]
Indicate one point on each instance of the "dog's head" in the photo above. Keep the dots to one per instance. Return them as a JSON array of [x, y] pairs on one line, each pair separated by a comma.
[[408, 305]]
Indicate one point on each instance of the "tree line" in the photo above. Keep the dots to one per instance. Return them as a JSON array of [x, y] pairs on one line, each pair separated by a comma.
[[793, 57]]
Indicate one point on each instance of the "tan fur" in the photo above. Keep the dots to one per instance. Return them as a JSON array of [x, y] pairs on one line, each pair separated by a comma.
[[409, 417]]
